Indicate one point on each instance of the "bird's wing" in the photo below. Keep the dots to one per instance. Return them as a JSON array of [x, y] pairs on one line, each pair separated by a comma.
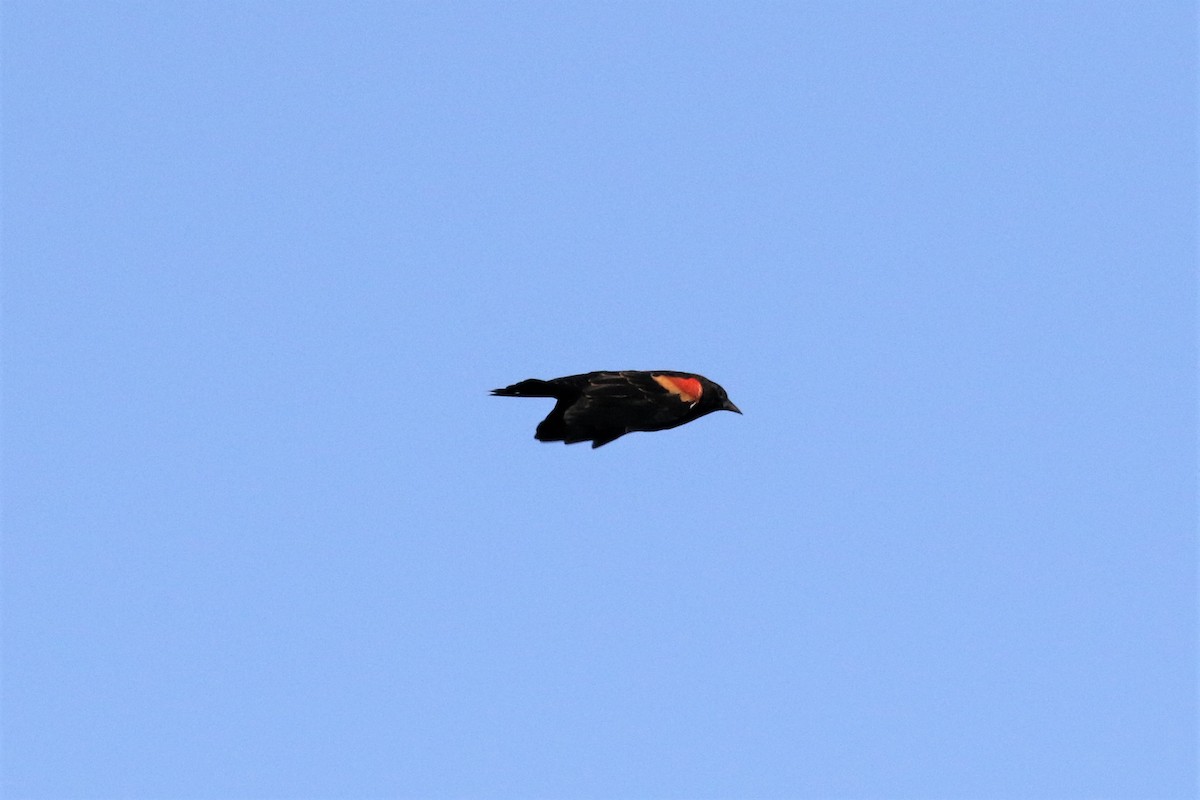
[[628, 401]]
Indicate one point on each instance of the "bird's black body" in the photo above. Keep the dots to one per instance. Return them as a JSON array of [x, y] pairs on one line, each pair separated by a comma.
[[602, 406]]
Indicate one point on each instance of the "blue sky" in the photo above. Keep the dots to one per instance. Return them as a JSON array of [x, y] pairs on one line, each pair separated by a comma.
[[267, 536]]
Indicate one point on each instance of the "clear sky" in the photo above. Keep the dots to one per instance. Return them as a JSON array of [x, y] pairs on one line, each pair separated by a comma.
[[267, 536]]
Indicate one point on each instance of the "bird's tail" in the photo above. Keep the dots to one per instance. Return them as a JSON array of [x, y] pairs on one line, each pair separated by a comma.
[[530, 388]]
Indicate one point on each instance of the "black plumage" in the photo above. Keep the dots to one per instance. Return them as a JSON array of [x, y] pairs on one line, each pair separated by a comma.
[[602, 406]]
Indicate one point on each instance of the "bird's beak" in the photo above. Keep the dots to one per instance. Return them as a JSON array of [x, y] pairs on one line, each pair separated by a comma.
[[728, 406]]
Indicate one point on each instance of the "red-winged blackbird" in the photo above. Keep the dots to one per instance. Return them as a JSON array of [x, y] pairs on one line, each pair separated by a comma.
[[602, 406]]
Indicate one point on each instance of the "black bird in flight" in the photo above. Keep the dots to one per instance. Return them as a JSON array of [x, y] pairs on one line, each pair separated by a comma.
[[602, 406]]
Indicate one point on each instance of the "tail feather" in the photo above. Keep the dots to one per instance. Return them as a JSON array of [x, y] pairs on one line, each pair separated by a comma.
[[554, 427], [530, 388]]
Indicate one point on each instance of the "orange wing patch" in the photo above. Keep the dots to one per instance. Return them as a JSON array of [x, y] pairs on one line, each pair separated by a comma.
[[688, 389]]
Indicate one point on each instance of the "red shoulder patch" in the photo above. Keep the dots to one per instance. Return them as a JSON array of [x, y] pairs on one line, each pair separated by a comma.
[[688, 389]]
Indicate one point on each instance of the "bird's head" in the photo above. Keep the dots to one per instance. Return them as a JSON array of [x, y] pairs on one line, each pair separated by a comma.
[[715, 399]]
